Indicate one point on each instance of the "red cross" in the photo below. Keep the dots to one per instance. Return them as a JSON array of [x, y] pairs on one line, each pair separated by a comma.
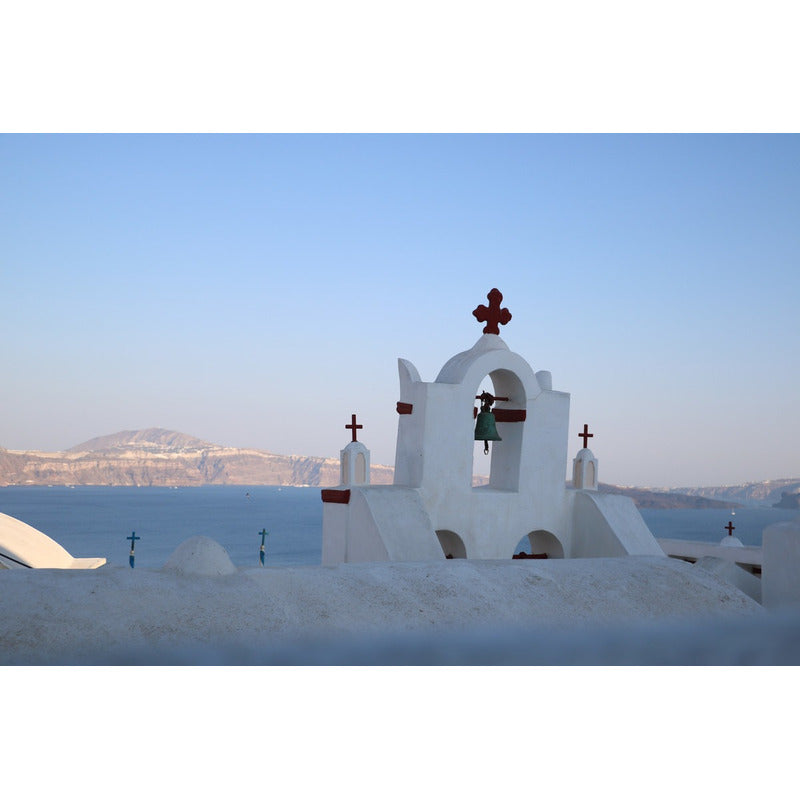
[[585, 435], [352, 426], [493, 314], [730, 527]]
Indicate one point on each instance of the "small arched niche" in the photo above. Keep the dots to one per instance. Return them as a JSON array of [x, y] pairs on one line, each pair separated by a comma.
[[539, 544], [452, 544], [361, 468]]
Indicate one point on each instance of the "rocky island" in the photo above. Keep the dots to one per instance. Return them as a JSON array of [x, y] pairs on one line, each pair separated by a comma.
[[159, 457]]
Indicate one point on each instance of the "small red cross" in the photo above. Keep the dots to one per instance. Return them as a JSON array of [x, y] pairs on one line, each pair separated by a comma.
[[493, 314], [352, 426], [730, 527], [585, 435]]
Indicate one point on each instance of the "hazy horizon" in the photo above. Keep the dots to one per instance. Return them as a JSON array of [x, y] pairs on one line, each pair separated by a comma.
[[256, 290], [391, 464]]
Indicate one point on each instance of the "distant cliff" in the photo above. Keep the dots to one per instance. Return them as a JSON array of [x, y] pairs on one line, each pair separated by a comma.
[[789, 500], [761, 493], [649, 498], [158, 457]]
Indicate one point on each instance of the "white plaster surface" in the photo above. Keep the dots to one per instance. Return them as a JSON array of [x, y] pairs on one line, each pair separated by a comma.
[[609, 525], [32, 548], [406, 528], [354, 462], [781, 564], [732, 573], [731, 541], [616, 610], [200, 555], [584, 470], [684, 548]]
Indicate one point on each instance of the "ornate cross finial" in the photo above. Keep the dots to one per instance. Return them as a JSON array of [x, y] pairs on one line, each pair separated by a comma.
[[730, 527], [493, 314], [352, 426], [585, 435]]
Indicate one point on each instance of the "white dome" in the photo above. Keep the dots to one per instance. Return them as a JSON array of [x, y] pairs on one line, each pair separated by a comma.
[[200, 556]]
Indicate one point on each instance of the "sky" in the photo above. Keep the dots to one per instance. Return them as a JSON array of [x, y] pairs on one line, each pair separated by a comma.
[[255, 290], [233, 225]]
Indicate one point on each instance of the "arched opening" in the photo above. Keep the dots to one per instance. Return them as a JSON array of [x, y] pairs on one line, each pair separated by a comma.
[[500, 468], [452, 544], [539, 544], [345, 468]]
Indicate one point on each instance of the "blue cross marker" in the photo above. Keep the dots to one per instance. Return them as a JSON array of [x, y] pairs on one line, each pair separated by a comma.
[[133, 539], [264, 533]]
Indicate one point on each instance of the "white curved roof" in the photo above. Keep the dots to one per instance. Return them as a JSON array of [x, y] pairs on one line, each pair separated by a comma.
[[488, 354], [21, 545], [585, 454]]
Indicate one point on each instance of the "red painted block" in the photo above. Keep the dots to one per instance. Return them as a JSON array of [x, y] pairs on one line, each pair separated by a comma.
[[336, 496]]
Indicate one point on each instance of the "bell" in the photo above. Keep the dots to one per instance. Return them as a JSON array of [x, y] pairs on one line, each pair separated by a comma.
[[486, 430]]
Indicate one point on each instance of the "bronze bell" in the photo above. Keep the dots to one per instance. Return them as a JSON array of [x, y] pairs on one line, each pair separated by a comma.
[[485, 427]]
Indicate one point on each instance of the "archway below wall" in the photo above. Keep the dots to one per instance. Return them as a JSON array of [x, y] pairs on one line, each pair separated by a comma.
[[539, 544], [452, 544]]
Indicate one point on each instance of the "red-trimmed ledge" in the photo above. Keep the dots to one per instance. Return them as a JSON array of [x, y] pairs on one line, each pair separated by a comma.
[[505, 414], [510, 414], [404, 408], [336, 496]]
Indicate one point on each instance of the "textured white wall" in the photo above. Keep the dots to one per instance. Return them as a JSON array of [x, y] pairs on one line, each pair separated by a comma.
[[32, 548], [781, 565]]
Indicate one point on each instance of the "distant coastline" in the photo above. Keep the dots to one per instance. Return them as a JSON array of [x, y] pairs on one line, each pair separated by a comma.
[[790, 499], [159, 457]]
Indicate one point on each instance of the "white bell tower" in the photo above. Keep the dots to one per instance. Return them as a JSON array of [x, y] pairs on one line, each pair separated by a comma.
[[432, 510]]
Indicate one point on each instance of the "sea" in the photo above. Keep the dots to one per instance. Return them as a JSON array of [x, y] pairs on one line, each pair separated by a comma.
[[96, 521]]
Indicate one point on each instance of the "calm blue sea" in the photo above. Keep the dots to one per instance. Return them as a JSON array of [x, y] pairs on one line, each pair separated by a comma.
[[95, 521]]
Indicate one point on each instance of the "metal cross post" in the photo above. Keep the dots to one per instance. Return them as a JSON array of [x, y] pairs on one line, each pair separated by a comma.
[[585, 435], [730, 527], [133, 539], [352, 426], [264, 533]]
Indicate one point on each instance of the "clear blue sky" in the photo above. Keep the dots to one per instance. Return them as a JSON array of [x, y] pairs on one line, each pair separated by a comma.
[[255, 290]]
